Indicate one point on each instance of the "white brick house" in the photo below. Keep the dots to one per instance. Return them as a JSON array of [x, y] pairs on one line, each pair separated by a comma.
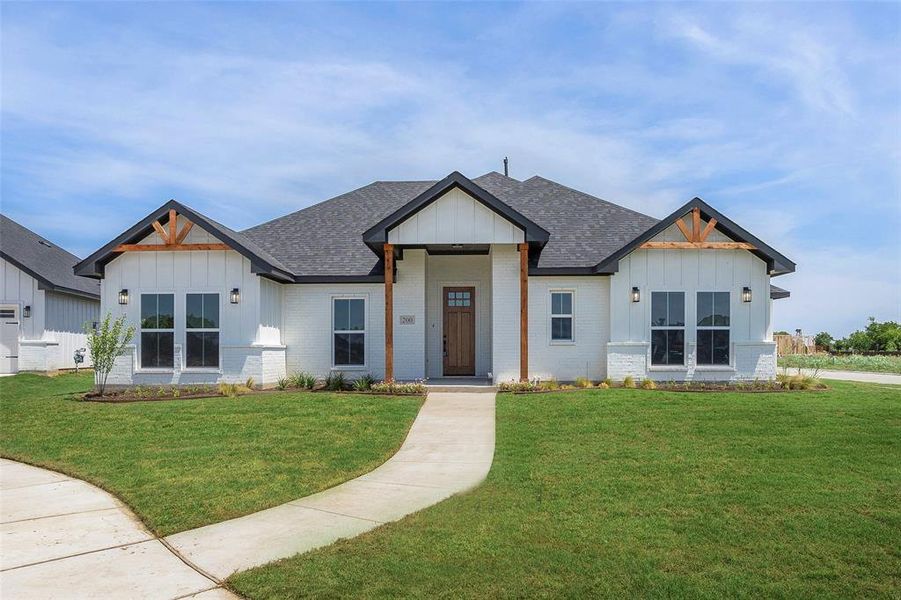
[[488, 278]]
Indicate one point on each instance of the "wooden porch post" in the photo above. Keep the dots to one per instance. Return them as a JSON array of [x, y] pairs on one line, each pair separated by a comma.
[[389, 312], [523, 312]]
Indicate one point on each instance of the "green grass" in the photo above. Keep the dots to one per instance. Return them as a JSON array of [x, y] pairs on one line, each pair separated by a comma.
[[181, 464], [853, 362], [632, 493]]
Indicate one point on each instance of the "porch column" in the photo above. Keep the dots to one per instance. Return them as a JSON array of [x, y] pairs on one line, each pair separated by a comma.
[[523, 312], [389, 312]]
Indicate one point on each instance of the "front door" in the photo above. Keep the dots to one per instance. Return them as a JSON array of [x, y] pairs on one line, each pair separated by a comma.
[[9, 338], [459, 331]]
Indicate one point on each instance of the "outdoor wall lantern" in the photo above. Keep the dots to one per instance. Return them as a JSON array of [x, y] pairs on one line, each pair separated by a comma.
[[746, 294], [235, 296], [26, 311], [123, 296], [636, 294]]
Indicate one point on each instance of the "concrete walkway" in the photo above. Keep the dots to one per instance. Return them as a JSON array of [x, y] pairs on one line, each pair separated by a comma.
[[849, 376], [449, 450], [63, 538]]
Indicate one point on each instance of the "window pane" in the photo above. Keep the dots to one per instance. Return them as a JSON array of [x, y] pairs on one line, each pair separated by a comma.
[[675, 347], [193, 311], [356, 317], [342, 315], [721, 309], [562, 328], [658, 308], [357, 349], [705, 309], [148, 311], [658, 347], [211, 311], [720, 346], [166, 311], [342, 348], [157, 350], [676, 309], [705, 347], [194, 349], [561, 303]]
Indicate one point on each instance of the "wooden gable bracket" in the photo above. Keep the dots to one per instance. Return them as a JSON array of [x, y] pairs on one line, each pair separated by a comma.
[[696, 238], [172, 240]]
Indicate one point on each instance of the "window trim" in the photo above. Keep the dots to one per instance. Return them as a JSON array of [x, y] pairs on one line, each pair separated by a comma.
[[713, 366], [173, 330], [684, 328], [364, 331], [552, 316], [186, 329]]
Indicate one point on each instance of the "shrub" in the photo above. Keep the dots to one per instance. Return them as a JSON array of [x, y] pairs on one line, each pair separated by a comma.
[[628, 382], [282, 383], [550, 384], [583, 382], [335, 382], [302, 380], [229, 390], [106, 343], [249, 384], [392, 387], [604, 385], [364, 383], [175, 393], [608, 382], [648, 384], [518, 386]]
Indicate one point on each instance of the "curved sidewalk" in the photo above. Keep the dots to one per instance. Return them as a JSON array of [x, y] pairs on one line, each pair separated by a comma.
[[63, 538], [448, 450]]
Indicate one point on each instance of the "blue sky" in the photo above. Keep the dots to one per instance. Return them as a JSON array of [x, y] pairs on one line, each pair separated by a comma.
[[786, 117]]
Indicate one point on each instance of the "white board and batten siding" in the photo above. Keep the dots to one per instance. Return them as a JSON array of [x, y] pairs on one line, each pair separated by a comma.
[[48, 338], [250, 336], [456, 218], [752, 352]]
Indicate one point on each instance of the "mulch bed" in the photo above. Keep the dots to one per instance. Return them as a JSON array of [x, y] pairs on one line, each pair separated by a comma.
[[122, 397]]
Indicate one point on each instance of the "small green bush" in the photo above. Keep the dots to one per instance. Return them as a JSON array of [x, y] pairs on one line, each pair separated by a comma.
[[302, 380], [518, 386], [364, 383], [583, 382], [550, 384], [229, 390], [392, 387], [648, 384], [629, 382], [282, 383], [335, 382]]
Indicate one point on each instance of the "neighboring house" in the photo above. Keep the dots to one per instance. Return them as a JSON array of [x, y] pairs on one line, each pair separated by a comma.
[[43, 305], [490, 277]]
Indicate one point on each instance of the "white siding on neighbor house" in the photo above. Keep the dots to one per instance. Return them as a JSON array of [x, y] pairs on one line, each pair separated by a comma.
[[67, 316], [456, 218], [586, 355], [410, 302], [308, 328], [504, 312], [752, 353], [249, 338], [459, 270], [21, 288]]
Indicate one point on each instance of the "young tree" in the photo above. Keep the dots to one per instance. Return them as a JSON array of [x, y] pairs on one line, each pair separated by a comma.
[[106, 342]]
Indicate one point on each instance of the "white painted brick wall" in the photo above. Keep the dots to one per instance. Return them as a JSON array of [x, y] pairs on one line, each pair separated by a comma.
[[750, 361], [505, 312], [308, 328], [409, 300], [38, 355], [627, 358]]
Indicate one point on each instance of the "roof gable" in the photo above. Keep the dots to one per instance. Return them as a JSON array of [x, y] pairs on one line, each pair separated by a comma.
[[377, 235]]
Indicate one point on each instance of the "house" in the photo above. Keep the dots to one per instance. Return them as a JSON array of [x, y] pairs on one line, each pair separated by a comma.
[[486, 277], [43, 305]]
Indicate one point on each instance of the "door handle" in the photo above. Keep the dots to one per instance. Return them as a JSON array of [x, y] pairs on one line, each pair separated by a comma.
[[445, 346]]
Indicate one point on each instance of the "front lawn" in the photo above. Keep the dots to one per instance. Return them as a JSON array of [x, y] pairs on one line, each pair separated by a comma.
[[849, 362], [181, 464], [632, 493]]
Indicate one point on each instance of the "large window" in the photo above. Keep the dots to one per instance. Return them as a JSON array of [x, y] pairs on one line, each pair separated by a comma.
[[713, 328], [202, 330], [561, 316], [157, 331], [668, 328], [349, 331]]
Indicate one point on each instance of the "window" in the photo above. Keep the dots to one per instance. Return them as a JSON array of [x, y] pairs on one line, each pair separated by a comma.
[[349, 327], [459, 298], [561, 316], [202, 330], [157, 331], [713, 328], [667, 328]]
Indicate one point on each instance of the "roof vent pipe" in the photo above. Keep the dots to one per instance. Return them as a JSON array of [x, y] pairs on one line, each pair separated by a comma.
[[506, 167]]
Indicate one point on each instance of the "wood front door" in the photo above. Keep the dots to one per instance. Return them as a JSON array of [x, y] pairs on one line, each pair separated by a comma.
[[459, 331]]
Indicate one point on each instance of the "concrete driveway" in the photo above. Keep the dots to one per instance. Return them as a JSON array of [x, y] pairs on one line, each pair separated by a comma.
[[63, 538], [860, 376]]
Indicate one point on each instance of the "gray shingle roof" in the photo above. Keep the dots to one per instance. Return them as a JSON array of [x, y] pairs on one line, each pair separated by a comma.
[[43, 260], [326, 239]]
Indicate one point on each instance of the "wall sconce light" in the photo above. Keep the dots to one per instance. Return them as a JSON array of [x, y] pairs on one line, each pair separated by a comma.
[[123, 296], [746, 294], [636, 294], [235, 296], [26, 312]]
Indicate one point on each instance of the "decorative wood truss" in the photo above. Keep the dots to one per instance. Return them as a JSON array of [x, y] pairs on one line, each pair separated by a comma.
[[172, 239], [696, 237]]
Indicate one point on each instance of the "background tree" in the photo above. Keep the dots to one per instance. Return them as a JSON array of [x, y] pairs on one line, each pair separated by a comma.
[[824, 339], [106, 342]]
